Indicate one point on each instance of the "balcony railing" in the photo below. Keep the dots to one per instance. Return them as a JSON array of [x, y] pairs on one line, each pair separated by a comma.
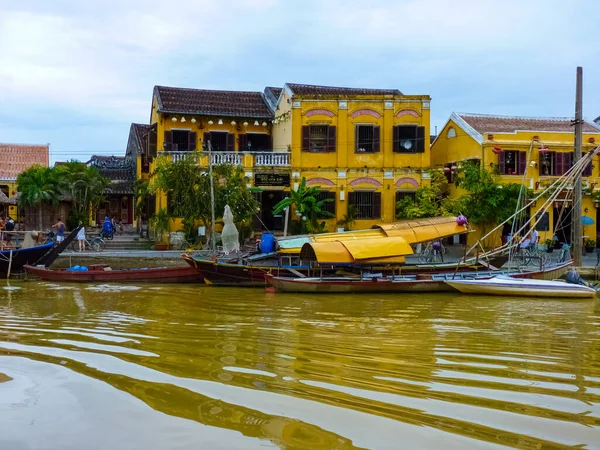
[[244, 159]]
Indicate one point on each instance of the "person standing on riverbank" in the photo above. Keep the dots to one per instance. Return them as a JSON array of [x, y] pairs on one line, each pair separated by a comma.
[[60, 230], [81, 238]]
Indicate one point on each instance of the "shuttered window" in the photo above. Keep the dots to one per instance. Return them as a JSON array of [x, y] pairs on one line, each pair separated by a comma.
[[366, 139], [555, 163], [221, 141], [367, 203], [512, 163], [587, 172], [318, 138], [328, 206], [180, 140], [408, 139]]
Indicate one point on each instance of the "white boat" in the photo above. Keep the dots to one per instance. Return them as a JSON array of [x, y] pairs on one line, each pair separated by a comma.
[[508, 286]]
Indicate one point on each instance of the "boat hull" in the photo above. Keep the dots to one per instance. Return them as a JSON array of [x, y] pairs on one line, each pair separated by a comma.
[[522, 289], [344, 286], [238, 275], [22, 257], [422, 283], [153, 275]]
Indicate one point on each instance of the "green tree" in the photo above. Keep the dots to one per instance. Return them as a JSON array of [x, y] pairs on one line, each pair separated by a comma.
[[39, 185], [140, 196], [429, 201], [86, 186], [487, 202], [308, 207], [189, 186]]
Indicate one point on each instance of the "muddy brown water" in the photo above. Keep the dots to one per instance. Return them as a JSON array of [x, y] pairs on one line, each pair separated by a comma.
[[180, 367]]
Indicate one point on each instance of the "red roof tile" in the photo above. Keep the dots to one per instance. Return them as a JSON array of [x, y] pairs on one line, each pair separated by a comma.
[[307, 89], [504, 124], [15, 158], [201, 101]]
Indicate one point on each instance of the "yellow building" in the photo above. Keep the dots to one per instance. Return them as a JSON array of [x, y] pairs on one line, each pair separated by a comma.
[[364, 147], [501, 144]]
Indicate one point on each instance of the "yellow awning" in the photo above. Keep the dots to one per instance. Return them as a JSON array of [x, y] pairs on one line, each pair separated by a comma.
[[363, 251], [412, 231]]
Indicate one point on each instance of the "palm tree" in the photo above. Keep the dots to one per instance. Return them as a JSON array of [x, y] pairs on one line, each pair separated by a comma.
[[307, 206], [86, 186], [38, 185]]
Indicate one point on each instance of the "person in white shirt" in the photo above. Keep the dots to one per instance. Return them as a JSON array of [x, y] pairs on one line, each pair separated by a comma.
[[81, 238], [535, 238]]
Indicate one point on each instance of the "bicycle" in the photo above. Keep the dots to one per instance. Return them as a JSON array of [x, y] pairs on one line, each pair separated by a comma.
[[96, 243], [432, 255], [50, 237], [532, 254]]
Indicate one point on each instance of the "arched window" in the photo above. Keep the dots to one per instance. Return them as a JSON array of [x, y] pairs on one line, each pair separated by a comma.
[[451, 133]]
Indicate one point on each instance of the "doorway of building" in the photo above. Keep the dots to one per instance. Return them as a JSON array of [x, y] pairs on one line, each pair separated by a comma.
[[562, 221], [268, 200]]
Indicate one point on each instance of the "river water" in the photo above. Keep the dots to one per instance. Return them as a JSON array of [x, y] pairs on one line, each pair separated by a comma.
[[181, 367]]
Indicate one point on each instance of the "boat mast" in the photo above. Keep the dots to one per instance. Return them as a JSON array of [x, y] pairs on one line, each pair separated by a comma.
[[577, 210], [212, 198]]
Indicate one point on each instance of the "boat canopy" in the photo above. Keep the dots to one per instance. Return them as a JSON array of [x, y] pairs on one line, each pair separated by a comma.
[[423, 230], [363, 251], [412, 231]]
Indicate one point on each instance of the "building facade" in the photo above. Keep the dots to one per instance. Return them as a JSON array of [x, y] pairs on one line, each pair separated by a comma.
[[361, 147], [119, 195], [14, 159], [502, 144]]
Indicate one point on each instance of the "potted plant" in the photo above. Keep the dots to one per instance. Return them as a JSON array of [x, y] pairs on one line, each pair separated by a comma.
[[348, 219], [549, 245], [590, 245], [160, 223]]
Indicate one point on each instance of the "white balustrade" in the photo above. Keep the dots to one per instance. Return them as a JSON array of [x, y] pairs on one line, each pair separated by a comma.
[[247, 159], [274, 159], [232, 158]]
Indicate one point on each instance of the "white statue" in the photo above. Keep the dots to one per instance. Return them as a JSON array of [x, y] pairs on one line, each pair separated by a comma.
[[229, 236]]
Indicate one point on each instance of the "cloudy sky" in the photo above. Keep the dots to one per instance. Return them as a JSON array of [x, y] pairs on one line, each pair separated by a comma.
[[75, 74]]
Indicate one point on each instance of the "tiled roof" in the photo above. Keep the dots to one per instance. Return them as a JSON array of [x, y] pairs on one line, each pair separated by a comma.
[[597, 120], [114, 168], [201, 101], [141, 133], [15, 158], [307, 89], [483, 123], [276, 91]]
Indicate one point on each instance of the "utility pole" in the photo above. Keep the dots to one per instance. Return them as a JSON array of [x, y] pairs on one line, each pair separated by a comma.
[[577, 197], [212, 198]]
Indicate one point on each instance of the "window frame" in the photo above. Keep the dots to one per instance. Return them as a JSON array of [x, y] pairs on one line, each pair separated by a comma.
[[328, 206], [373, 203], [374, 144], [417, 139]]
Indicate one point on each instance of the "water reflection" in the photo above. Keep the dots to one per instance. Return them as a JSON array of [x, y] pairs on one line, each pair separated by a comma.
[[255, 369]]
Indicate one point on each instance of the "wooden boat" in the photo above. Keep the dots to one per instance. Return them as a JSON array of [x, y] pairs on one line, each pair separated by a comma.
[[403, 283], [40, 254], [222, 273], [21, 257], [514, 287], [104, 274]]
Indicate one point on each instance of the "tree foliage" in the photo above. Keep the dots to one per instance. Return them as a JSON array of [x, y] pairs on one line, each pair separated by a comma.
[[86, 186], [429, 201], [189, 188], [307, 206], [40, 185], [487, 202]]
